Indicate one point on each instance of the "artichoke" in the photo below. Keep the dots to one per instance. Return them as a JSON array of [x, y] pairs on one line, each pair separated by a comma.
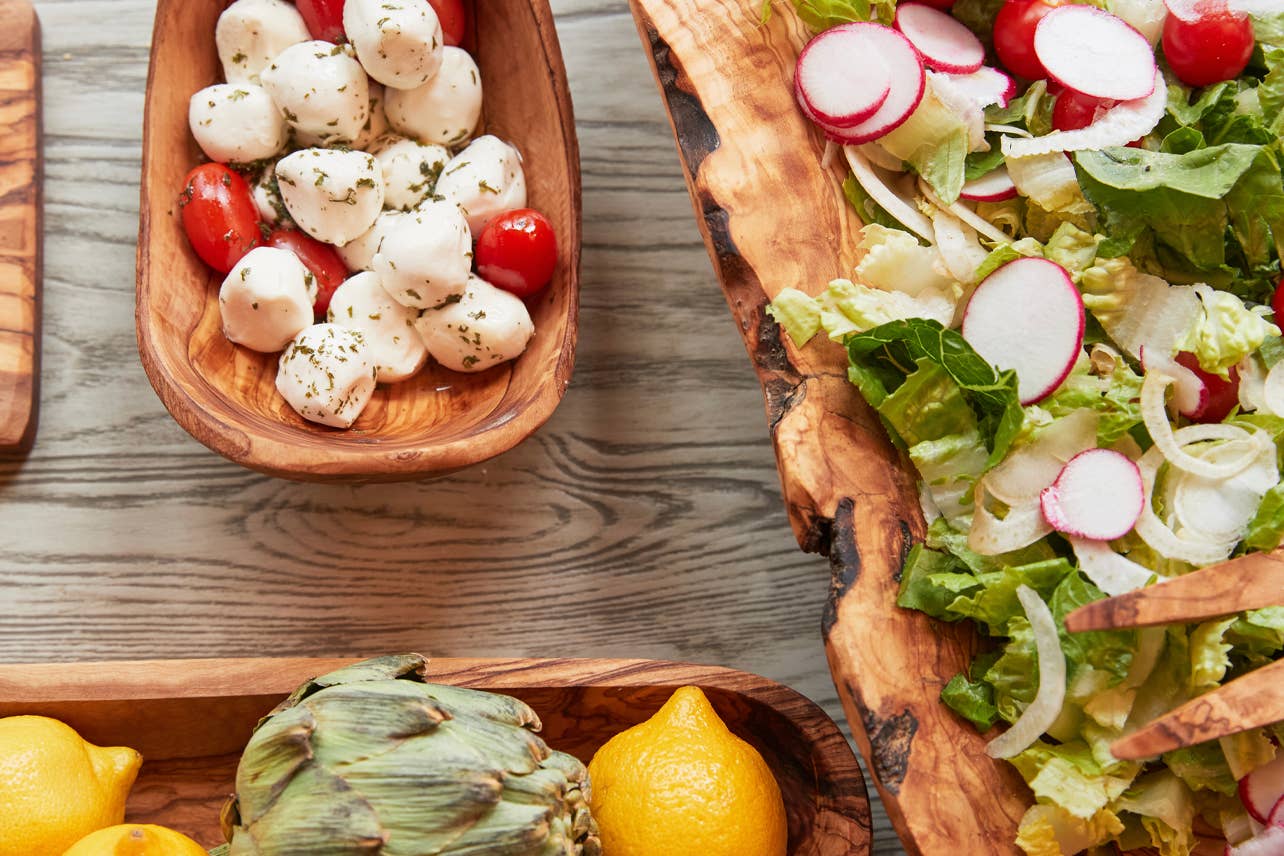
[[372, 760]]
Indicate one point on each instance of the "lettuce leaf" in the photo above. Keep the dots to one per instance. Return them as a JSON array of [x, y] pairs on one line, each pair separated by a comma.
[[1116, 399], [934, 141], [972, 700], [1209, 655], [823, 14], [1202, 767], [1068, 776], [1167, 811], [1225, 330], [1047, 830]]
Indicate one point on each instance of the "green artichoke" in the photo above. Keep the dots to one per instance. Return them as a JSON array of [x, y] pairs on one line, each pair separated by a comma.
[[372, 760]]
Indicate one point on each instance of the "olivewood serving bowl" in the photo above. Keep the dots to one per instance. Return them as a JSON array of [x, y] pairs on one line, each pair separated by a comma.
[[439, 421], [192, 718]]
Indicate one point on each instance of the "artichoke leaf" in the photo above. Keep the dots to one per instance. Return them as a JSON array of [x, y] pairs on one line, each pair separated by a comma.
[[317, 814], [278, 750], [362, 720], [412, 667], [510, 829], [499, 708], [542, 786], [515, 750]]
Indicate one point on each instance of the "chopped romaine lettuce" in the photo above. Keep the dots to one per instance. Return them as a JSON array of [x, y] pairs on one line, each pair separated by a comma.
[[1225, 331]]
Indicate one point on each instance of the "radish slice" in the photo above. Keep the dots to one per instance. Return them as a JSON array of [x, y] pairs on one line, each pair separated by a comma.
[[841, 78], [906, 214], [995, 186], [1097, 496], [1262, 789], [1276, 817], [986, 86], [1112, 573], [991, 536], [908, 80], [1046, 707], [1116, 126], [1031, 466], [943, 42], [1095, 53], [1268, 842], [1027, 316]]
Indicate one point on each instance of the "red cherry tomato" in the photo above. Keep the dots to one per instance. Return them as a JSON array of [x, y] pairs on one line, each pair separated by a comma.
[[1277, 302], [1074, 110], [324, 18], [1014, 35], [219, 216], [454, 21], [517, 252], [1223, 395], [322, 259], [1212, 48]]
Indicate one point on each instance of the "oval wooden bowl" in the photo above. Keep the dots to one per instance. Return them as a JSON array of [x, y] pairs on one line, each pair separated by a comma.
[[438, 422], [191, 719]]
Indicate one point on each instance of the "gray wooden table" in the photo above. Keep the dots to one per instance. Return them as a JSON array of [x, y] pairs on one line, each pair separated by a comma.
[[644, 520]]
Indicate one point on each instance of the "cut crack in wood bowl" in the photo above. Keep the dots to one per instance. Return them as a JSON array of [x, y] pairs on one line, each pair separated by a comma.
[[436, 423], [191, 719]]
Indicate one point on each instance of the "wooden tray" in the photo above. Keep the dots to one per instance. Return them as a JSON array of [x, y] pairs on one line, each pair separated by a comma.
[[772, 217], [435, 423], [191, 719]]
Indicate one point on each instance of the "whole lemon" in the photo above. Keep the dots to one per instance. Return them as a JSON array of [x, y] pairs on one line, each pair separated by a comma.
[[133, 839], [55, 788], [681, 783]]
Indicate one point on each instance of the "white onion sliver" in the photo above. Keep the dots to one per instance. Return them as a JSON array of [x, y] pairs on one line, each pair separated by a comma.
[[1012, 130], [991, 536], [1162, 539], [827, 159], [1116, 126], [1112, 573], [960, 250], [1252, 384], [1051, 695], [904, 213], [881, 157], [1155, 414], [1031, 467], [1273, 390], [1221, 509], [967, 215]]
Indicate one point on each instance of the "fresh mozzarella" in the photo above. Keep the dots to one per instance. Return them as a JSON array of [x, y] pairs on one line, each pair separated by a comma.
[[266, 299], [326, 375], [395, 349], [485, 180], [321, 90], [334, 196], [444, 110], [236, 123], [485, 327], [267, 197], [399, 44], [410, 169], [376, 122], [425, 258], [358, 254], [251, 33]]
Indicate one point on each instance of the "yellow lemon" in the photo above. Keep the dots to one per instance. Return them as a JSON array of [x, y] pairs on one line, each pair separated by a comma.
[[55, 788], [681, 783], [132, 839]]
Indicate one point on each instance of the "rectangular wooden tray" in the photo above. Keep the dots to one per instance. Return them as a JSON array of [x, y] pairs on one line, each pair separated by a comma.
[[191, 719]]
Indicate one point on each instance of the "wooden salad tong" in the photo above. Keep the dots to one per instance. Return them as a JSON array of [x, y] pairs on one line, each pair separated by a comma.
[[1251, 701]]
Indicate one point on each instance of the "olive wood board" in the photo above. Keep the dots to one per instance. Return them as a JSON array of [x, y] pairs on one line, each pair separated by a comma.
[[191, 718], [20, 224], [773, 217], [439, 421]]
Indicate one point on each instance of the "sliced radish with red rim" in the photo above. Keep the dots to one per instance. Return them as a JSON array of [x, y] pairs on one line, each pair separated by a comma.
[[1097, 496], [908, 81], [1027, 316], [841, 78], [1268, 842], [1095, 53], [986, 86], [995, 186], [1261, 790], [944, 43]]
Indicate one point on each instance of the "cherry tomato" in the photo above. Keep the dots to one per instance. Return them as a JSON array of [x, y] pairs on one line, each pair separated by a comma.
[[1223, 395], [1074, 110], [517, 252], [322, 259], [1277, 302], [324, 18], [219, 216], [454, 21], [1014, 35], [1212, 48]]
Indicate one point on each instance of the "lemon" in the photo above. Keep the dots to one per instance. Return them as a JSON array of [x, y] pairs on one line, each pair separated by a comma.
[[133, 839], [681, 783], [55, 788]]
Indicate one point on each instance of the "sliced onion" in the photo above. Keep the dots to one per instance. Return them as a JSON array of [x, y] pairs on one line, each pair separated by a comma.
[[1252, 384], [1115, 126], [960, 249], [1164, 540], [1010, 130], [905, 213], [1046, 707], [990, 536], [827, 159], [1273, 390], [1188, 389], [1155, 415], [1045, 179], [1031, 467], [1158, 315], [881, 157], [1112, 573], [1221, 509], [967, 215]]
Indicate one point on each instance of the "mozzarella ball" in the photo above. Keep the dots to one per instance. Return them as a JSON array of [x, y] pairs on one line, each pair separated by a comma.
[[236, 123], [358, 254], [334, 196], [485, 180], [266, 299], [267, 198], [410, 169], [444, 110], [376, 122], [399, 44], [321, 90], [326, 375], [396, 350], [250, 33], [425, 259], [487, 326]]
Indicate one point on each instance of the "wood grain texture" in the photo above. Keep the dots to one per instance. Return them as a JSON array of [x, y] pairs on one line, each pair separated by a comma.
[[435, 423], [20, 224], [190, 720], [772, 217]]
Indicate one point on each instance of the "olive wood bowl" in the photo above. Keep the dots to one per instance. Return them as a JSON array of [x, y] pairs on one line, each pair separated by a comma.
[[438, 422], [191, 719]]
